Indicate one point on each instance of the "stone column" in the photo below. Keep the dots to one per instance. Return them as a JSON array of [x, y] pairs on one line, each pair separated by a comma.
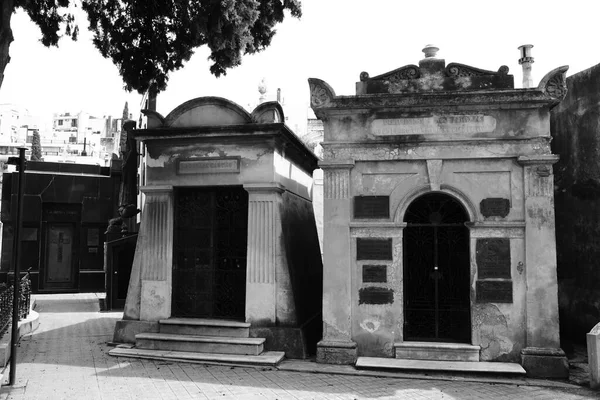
[[337, 346], [264, 252], [542, 357], [155, 240]]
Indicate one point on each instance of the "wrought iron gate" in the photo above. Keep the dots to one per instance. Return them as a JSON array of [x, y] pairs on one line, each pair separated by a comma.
[[436, 270], [209, 273]]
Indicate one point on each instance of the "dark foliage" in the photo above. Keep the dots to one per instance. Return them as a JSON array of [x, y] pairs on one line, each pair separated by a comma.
[[148, 39]]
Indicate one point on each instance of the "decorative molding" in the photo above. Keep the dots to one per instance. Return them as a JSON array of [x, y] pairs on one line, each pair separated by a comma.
[[554, 84], [400, 74], [264, 187], [548, 159], [321, 94], [456, 70], [434, 171], [381, 231]]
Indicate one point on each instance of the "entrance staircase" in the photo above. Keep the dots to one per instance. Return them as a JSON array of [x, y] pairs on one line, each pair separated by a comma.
[[438, 357], [201, 341]]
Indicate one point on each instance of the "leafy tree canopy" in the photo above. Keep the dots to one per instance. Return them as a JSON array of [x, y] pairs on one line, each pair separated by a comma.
[[148, 39]]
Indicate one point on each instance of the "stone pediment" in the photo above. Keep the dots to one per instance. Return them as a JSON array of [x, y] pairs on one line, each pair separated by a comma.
[[214, 111], [432, 74]]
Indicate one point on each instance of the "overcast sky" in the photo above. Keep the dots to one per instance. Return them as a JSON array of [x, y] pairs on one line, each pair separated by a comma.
[[334, 40]]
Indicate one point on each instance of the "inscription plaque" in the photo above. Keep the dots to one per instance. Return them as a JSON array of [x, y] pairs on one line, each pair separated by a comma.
[[440, 124], [371, 207], [494, 207], [494, 291], [373, 249], [374, 273], [209, 165], [375, 295], [493, 258]]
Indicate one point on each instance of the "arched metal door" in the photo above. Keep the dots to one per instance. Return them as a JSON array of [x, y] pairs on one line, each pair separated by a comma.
[[436, 270]]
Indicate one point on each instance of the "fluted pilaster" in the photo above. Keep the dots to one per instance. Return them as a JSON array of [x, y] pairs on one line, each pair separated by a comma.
[[155, 240], [264, 251]]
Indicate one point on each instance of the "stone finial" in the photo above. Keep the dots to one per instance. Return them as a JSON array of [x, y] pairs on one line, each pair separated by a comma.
[[525, 61], [430, 51], [262, 89]]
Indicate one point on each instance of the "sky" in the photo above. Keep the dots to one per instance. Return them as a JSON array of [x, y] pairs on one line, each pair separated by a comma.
[[335, 40]]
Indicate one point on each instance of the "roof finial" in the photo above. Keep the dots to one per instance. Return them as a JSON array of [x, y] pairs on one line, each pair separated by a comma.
[[262, 89], [430, 51]]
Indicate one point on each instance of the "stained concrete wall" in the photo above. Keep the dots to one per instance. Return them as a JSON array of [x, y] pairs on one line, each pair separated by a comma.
[[575, 126], [499, 328]]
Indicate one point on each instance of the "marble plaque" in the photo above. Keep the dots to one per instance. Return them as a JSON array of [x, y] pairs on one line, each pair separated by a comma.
[[375, 295], [494, 207], [374, 273], [209, 165], [494, 291], [493, 258], [373, 249], [436, 125], [371, 207]]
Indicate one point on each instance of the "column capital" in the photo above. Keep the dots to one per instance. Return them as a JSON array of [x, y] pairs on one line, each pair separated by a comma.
[[264, 187], [538, 159], [156, 188], [346, 164]]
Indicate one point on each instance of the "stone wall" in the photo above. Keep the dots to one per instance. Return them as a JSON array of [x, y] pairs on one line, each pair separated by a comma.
[[575, 126]]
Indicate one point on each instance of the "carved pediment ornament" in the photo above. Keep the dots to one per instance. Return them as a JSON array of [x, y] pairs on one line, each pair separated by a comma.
[[321, 94], [460, 70], [402, 73], [554, 83]]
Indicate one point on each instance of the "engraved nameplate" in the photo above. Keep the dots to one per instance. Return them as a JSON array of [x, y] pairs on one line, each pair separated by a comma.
[[493, 258], [494, 207], [371, 207], [373, 249], [375, 295], [437, 125], [494, 291], [374, 273], [211, 165]]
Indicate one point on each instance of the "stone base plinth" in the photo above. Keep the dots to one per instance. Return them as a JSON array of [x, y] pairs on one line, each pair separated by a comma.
[[125, 330], [336, 352], [290, 340], [541, 362], [593, 351]]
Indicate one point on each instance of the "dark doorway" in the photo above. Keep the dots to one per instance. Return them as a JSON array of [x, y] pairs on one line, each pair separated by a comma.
[[436, 270], [211, 234], [60, 256]]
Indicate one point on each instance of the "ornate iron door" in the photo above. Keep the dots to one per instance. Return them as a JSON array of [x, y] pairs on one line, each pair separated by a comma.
[[436, 271], [209, 274]]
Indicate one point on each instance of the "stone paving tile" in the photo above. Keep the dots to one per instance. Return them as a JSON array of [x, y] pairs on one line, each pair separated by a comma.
[[67, 358]]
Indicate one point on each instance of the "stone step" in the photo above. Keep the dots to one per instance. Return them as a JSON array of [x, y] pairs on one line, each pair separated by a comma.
[[450, 366], [204, 327], [267, 358], [200, 344], [436, 351]]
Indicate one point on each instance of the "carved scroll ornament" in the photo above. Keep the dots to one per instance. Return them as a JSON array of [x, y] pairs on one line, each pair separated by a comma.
[[460, 70], [321, 94], [554, 83]]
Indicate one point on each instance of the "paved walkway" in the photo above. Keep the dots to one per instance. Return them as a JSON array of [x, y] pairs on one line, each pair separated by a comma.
[[67, 358]]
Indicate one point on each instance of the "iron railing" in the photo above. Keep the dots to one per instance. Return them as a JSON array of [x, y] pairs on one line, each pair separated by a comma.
[[6, 301]]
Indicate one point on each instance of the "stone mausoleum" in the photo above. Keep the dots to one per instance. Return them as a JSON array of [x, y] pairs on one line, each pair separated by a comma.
[[439, 235], [227, 257]]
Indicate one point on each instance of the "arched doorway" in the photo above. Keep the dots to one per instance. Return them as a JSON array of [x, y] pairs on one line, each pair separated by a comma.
[[436, 270]]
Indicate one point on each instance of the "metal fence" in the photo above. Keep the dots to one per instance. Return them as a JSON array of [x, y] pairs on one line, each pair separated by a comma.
[[6, 301]]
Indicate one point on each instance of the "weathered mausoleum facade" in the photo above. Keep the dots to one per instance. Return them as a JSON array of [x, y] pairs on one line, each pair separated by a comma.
[[439, 238], [227, 242]]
